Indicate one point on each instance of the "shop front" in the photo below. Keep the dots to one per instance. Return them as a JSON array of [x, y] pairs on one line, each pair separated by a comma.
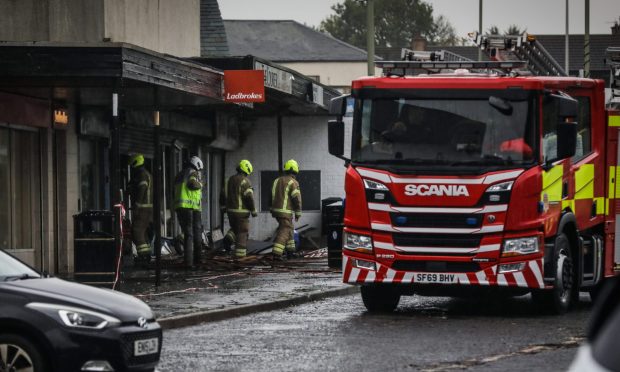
[[70, 117]]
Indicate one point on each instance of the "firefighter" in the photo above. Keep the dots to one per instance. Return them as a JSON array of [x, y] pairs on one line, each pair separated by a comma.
[[141, 192], [188, 206], [237, 200], [285, 205]]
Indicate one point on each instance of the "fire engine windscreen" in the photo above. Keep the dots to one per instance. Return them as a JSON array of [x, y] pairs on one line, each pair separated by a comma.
[[488, 131]]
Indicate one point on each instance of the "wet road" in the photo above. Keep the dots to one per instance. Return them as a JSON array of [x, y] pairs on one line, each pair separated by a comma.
[[426, 333]]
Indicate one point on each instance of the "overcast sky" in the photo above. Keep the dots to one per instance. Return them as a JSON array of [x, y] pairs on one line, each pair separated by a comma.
[[538, 16]]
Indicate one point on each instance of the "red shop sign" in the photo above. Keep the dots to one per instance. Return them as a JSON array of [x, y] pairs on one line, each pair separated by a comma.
[[244, 86]]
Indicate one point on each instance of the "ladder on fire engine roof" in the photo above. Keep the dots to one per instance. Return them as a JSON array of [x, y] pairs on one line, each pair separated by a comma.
[[414, 62], [519, 47], [612, 59]]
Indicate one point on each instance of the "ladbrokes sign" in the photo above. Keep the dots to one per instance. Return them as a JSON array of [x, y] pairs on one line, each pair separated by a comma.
[[244, 86]]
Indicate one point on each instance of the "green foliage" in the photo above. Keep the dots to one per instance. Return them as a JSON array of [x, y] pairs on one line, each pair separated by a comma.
[[397, 23]]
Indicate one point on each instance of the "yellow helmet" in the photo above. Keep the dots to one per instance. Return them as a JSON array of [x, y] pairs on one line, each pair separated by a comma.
[[291, 166], [136, 160], [245, 166]]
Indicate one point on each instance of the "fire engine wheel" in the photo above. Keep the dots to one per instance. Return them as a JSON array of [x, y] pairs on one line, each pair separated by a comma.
[[558, 299], [380, 299]]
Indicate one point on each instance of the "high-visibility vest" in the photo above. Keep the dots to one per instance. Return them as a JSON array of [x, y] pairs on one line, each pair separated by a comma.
[[184, 197]]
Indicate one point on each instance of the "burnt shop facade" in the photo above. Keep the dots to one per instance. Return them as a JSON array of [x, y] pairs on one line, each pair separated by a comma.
[[70, 116]]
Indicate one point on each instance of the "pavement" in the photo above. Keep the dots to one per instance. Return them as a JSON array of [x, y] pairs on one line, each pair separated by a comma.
[[222, 289]]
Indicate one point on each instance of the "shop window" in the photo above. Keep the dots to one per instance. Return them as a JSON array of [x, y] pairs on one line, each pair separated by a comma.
[[93, 187], [309, 183], [20, 212]]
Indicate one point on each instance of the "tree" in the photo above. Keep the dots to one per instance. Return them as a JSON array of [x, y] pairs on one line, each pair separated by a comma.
[[397, 23]]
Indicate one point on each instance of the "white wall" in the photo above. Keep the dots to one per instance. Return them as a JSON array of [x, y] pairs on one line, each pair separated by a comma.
[[305, 140], [333, 74]]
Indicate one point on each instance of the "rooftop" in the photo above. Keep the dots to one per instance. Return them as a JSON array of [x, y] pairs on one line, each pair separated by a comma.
[[287, 41]]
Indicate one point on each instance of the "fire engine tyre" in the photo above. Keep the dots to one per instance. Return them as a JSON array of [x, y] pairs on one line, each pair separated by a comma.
[[17, 354], [380, 299], [559, 299]]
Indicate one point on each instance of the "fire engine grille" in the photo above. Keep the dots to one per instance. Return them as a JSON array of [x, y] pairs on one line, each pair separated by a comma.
[[437, 240], [442, 220], [436, 267]]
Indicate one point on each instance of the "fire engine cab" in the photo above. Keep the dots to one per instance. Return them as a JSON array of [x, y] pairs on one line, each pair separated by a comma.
[[468, 176]]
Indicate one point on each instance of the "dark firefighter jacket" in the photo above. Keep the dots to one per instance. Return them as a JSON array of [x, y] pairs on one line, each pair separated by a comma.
[[141, 188], [285, 197], [237, 195]]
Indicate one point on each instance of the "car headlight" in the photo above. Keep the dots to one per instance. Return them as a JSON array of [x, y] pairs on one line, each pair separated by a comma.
[[357, 242], [514, 247], [76, 317]]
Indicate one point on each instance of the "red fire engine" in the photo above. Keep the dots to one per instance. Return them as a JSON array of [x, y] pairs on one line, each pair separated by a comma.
[[478, 176]]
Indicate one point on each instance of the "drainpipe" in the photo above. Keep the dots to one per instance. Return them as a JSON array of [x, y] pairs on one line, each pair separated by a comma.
[[280, 143], [586, 42], [157, 168]]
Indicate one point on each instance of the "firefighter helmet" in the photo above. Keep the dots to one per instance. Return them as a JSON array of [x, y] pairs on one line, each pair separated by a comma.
[[291, 166], [196, 162], [245, 166], [136, 160]]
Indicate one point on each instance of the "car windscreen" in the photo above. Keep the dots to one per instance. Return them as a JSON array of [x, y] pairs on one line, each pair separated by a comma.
[[11, 268], [483, 130]]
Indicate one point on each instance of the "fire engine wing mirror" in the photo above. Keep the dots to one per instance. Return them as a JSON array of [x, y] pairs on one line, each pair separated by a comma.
[[335, 144], [338, 105], [567, 139], [567, 128], [567, 105]]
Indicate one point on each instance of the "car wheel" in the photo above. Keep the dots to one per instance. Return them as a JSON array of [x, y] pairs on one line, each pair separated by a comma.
[[379, 298], [558, 299], [19, 354]]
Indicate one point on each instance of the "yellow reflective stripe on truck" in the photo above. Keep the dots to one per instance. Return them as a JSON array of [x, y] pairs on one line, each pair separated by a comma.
[[552, 184], [584, 182], [568, 203], [614, 121]]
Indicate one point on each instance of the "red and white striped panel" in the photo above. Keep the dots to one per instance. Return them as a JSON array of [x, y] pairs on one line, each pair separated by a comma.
[[530, 277]]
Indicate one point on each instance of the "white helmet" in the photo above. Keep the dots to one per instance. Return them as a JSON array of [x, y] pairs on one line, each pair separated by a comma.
[[196, 162]]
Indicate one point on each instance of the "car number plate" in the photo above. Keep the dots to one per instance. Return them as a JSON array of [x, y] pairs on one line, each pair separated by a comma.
[[145, 347], [435, 278]]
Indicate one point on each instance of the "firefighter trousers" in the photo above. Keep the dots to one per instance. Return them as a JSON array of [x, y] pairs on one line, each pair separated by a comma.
[[238, 233], [141, 219], [284, 236], [191, 226]]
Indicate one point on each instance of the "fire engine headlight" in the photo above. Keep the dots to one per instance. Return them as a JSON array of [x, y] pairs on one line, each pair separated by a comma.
[[374, 185], [504, 186], [515, 247], [357, 243]]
